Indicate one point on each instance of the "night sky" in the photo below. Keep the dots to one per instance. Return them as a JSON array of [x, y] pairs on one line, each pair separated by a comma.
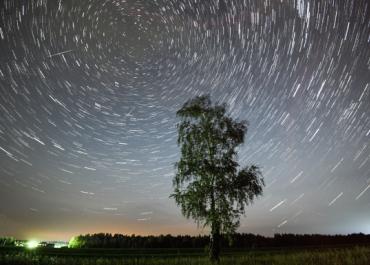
[[89, 91]]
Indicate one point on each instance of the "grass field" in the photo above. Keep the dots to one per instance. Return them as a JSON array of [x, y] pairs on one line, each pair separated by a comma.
[[359, 255]]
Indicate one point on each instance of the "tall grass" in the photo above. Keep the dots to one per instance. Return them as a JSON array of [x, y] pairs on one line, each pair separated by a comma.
[[357, 256]]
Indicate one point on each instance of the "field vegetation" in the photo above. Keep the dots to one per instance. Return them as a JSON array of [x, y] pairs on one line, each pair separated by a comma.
[[343, 254]]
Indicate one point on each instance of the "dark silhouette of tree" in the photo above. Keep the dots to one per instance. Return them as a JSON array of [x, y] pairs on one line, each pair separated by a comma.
[[207, 184]]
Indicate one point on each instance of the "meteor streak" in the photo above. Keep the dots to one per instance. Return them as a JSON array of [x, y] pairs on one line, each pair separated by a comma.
[[128, 113], [62, 52]]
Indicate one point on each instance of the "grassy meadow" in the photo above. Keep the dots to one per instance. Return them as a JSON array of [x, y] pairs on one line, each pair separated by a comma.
[[359, 255]]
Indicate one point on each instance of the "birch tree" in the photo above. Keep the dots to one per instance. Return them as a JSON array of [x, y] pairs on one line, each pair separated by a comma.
[[208, 185]]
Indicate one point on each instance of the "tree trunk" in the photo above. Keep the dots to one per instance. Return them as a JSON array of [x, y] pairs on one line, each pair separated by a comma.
[[215, 243]]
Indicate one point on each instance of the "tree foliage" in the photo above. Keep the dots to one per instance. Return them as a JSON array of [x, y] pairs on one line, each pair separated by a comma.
[[77, 242], [6, 241], [207, 185], [107, 240]]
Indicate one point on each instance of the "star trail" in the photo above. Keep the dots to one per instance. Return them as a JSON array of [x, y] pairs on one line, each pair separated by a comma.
[[88, 95]]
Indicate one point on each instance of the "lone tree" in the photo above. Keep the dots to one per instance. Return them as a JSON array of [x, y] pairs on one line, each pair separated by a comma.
[[207, 184]]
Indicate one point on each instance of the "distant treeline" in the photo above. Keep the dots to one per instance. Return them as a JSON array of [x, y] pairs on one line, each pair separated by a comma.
[[240, 241]]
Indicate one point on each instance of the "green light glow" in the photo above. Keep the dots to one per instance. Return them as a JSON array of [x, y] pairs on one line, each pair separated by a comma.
[[32, 244]]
